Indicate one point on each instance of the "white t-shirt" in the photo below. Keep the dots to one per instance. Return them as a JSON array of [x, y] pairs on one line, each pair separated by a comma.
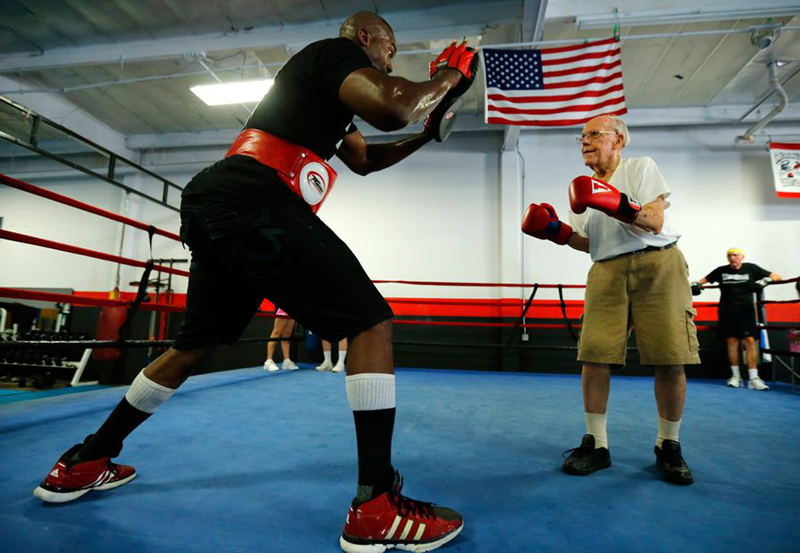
[[640, 179]]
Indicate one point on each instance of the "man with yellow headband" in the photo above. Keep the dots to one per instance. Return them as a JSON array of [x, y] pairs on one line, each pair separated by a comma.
[[738, 283]]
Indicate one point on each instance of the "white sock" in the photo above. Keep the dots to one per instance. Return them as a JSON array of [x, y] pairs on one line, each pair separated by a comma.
[[667, 430], [735, 371], [145, 395], [342, 354], [596, 426], [370, 391], [327, 355], [753, 373]]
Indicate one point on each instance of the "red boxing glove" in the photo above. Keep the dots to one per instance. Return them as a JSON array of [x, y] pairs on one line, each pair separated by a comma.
[[590, 192], [458, 57], [541, 221]]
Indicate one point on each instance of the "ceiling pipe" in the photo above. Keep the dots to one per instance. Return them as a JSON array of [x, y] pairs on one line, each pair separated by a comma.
[[682, 34], [783, 101]]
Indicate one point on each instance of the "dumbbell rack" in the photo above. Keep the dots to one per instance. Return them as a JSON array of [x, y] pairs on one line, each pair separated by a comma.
[[38, 359]]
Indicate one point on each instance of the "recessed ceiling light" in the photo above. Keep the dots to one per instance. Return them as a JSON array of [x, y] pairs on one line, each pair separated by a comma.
[[232, 93]]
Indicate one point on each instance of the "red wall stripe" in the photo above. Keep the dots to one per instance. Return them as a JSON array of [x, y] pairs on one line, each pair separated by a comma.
[[493, 308]]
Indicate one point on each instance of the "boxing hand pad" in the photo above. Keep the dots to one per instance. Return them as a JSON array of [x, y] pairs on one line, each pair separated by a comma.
[[463, 59], [441, 120]]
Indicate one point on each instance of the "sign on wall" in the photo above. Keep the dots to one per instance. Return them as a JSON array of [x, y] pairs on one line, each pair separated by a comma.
[[786, 168]]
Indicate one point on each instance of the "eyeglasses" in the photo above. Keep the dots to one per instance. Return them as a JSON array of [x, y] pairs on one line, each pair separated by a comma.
[[592, 136]]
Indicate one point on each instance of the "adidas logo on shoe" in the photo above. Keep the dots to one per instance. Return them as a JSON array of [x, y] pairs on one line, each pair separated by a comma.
[[393, 521]]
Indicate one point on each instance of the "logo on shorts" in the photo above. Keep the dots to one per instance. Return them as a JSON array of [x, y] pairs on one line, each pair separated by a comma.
[[314, 181]]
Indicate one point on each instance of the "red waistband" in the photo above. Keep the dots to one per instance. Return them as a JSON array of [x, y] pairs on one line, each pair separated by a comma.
[[295, 165], [282, 155]]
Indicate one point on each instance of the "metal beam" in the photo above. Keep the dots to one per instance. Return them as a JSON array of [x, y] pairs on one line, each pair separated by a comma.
[[466, 122], [566, 9], [510, 138], [434, 24], [533, 13], [533, 16], [59, 108]]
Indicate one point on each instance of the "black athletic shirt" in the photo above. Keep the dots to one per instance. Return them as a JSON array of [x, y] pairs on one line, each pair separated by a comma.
[[302, 106], [737, 287]]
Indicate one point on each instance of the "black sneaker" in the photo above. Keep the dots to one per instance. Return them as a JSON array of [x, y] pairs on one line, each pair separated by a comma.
[[671, 463], [586, 459]]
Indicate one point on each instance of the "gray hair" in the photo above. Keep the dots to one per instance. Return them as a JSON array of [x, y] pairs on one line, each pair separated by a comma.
[[619, 126]]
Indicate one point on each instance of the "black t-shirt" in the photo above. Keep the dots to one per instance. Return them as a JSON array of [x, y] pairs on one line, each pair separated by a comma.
[[302, 106], [737, 286]]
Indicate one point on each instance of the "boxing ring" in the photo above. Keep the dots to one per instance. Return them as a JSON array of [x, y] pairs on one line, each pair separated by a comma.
[[244, 460]]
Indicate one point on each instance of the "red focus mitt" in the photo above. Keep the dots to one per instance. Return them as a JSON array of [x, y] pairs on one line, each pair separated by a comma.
[[590, 192], [463, 59], [541, 221]]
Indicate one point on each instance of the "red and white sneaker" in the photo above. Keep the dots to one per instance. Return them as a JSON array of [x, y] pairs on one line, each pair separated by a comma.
[[68, 482], [392, 520]]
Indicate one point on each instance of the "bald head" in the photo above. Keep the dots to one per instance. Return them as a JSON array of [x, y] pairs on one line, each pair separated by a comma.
[[374, 35], [363, 20]]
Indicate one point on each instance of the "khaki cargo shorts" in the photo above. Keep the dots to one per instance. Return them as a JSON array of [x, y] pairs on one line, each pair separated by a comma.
[[649, 291]]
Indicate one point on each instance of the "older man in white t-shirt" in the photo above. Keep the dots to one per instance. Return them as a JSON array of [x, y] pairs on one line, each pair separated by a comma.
[[639, 278]]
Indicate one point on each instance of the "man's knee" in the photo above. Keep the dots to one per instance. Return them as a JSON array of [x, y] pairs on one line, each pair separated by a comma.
[[382, 331], [670, 371]]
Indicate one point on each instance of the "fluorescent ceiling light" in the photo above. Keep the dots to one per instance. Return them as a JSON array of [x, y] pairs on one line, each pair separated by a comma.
[[232, 93], [669, 17]]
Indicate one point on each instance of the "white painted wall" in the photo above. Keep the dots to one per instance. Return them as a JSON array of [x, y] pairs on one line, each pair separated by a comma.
[[722, 196], [25, 266], [434, 216], [444, 215]]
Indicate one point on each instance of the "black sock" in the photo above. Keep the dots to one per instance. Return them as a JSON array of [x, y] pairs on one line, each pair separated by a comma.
[[374, 437], [107, 441]]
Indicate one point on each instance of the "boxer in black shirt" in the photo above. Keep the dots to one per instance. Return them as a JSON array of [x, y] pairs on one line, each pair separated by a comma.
[[736, 321], [250, 221]]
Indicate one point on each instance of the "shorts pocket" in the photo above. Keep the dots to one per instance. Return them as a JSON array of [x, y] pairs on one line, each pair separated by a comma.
[[261, 251], [222, 224], [691, 329]]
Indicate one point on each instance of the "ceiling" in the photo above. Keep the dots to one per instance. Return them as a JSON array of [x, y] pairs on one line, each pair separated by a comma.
[[129, 63]]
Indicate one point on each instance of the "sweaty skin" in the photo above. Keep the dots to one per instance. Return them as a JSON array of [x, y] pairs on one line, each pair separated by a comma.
[[385, 102]]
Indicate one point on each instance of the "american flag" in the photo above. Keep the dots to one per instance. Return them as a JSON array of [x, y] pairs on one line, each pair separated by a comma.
[[554, 87]]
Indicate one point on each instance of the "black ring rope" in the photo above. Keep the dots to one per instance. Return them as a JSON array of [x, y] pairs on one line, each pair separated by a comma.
[[564, 313], [524, 312]]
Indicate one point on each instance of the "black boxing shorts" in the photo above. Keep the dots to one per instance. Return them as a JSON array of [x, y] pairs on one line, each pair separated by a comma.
[[279, 250], [737, 321]]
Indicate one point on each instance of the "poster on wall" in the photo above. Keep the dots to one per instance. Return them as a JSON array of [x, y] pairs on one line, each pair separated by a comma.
[[786, 168]]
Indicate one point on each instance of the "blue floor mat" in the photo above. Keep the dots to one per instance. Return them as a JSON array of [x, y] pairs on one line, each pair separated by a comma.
[[249, 461]]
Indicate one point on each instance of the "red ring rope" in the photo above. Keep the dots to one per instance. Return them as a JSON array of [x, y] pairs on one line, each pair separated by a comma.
[[476, 284], [44, 193], [33, 240]]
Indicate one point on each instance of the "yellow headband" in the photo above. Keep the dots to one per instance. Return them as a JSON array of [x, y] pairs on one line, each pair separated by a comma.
[[736, 251]]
